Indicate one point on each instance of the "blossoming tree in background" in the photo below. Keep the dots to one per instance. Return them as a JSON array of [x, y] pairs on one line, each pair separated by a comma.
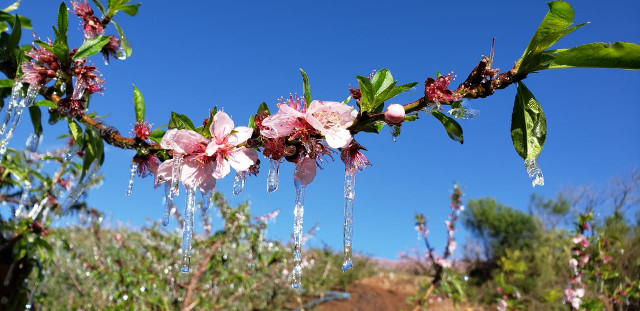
[[304, 131]]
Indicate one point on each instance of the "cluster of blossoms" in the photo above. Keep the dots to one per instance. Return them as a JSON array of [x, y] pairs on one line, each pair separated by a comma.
[[574, 293], [503, 303], [42, 68], [91, 24]]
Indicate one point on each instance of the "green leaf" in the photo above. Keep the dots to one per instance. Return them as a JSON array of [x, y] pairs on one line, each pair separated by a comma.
[[99, 4], [528, 124], [261, 109], [372, 127], [12, 7], [366, 89], [306, 87], [63, 23], [45, 103], [454, 130], [6, 83], [381, 81], [623, 55], [180, 121], [14, 38], [76, 131], [138, 104], [157, 135], [131, 9], [91, 46], [124, 42], [411, 117], [36, 119]]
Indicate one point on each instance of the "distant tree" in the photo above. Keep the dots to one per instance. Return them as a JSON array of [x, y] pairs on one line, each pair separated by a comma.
[[551, 212]]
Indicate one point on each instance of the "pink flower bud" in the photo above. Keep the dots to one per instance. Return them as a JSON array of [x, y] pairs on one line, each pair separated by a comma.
[[394, 114]]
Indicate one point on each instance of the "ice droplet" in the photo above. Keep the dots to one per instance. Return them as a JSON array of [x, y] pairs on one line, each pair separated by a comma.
[[297, 233], [32, 92], [81, 186], [23, 198], [73, 150], [175, 175], [33, 214], [206, 200], [349, 196], [534, 171], [134, 169], [31, 145], [187, 230], [272, 178], [464, 113], [168, 204], [13, 102], [395, 131], [238, 183], [121, 53], [78, 89]]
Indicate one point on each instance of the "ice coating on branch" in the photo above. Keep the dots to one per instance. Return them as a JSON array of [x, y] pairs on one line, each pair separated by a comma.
[[27, 101], [349, 196], [464, 113], [23, 198], [187, 230], [13, 102], [534, 171], [78, 89], [394, 114], [81, 186], [132, 175], [238, 183], [272, 177], [297, 233], [175, 173]]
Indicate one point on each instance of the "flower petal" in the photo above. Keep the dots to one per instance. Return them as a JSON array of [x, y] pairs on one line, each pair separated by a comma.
[[212, 147], [222, 168], [194, 173], [221, 126], [165, 170], [239, 135], [305, 171], [241, 159], [181, 141], [337, 138]]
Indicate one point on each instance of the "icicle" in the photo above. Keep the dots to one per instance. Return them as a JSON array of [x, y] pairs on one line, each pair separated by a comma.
[[175, 175], [272, 178], [31, 145], [78, 89], [121, 53], [32, 92], [187, 231], [395, 131], [534, 171], [168, 204], [297, 233], [81, 186], [464, 113], [238, 183], [349, 195], [206, 200], [134, 169], [13, 102], [37, 208], [23, 198]]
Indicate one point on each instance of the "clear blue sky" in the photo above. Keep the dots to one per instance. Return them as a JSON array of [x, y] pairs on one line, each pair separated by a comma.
[[189, 56]]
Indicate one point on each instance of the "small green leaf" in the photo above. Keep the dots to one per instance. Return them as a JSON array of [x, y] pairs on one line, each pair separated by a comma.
[[14, 38], [45, 103], [180, 121], [91, 47], [372, 127], [157, 135], [306, 87], [76, 131], [207, 133], [63, 23], [124, 42], [381, 81], [138, 104], [528, 124], [262, 108], [99, 4], [454, 130], [12, 7], [366, 89], [411, 117], [623, 55], [130, 9], [6, 83], [36, 119]]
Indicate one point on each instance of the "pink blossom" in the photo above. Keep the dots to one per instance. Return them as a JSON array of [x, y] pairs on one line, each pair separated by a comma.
[[352, 156], [305, 171], [438, 90], [111, 48], [147, 163], [206, 160], [35, 74], [581, 239], [331, 119], [452, 246], [443, 262], [142, 130], [394, 114], [573, 263], [92, 25]]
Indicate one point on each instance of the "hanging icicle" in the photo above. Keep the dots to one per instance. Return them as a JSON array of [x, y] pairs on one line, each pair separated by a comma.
[[187, 230], [73, 150], [349, 196], [534, 171], [78, 89], [206, 200], [238, 183], [134, 169], [168, 198], [395, 131], [81, 186], [297, 233], [272, 177], [33, 214], [121, 53], [31, 145], [175, 175], [13, 102], [23, 198], [27, 101]]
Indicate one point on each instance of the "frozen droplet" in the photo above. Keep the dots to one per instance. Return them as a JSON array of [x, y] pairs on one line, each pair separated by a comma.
[[121, 53], [206, 200], [78, 89], [464, 113], [272, 177], [175, 175], [31, 145], [349, 196], [534, 171], [134, 169], [33, 214], [23, 198], [297, 233], [238, 183], [395, 131], [13, 102], [187, 229], [73, 150], [168, 204], [27, 101], [81, 186]]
